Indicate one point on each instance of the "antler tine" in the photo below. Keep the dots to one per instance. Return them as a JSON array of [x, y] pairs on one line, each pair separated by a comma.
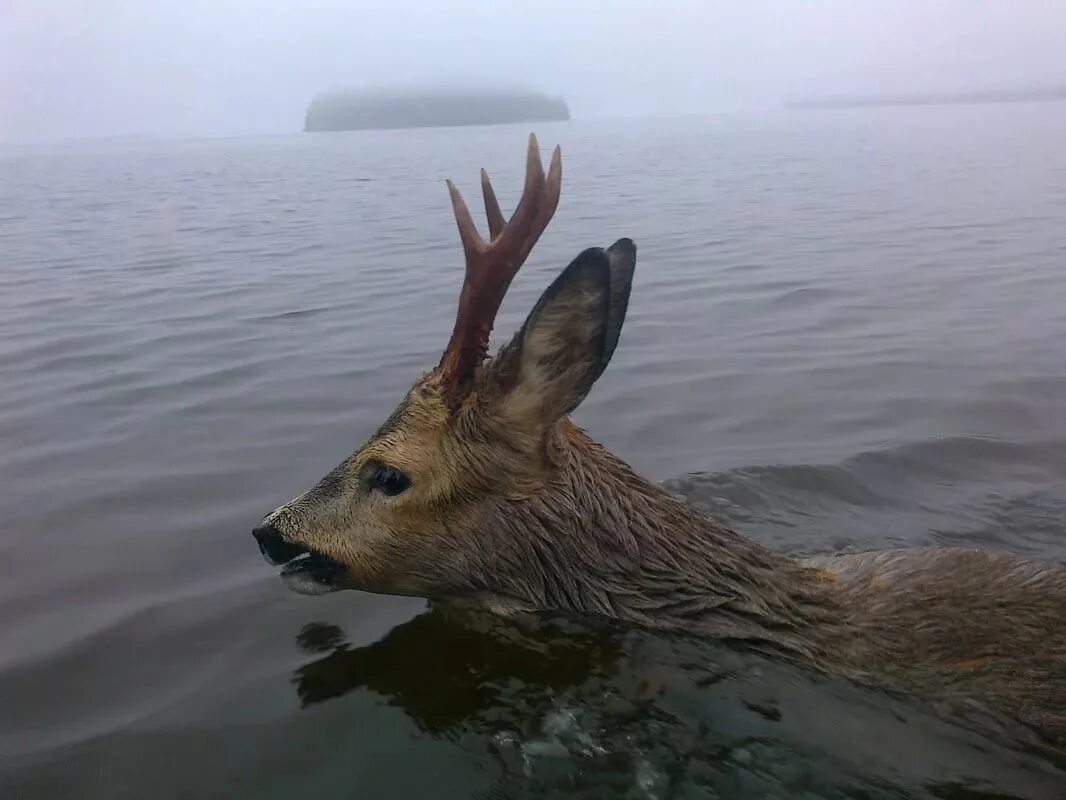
[[550, 201], [517, 228], [468, 235], [492, 208]]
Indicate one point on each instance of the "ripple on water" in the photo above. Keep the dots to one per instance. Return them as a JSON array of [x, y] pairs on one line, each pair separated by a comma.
[[846, 332]]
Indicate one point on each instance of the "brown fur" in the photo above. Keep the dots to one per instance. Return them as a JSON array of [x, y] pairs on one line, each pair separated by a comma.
[[512, 507]]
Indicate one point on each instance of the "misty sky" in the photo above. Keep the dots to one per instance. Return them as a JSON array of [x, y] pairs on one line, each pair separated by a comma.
[[219, 67]]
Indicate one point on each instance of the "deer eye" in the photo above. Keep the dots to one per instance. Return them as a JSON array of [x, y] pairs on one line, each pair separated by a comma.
[[389, 481]]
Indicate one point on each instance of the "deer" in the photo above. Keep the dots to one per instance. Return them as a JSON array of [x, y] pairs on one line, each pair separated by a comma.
[[479, 489]]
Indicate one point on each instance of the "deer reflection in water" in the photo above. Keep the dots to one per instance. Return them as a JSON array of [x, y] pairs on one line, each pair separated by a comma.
[[558, 700], [478, 662]]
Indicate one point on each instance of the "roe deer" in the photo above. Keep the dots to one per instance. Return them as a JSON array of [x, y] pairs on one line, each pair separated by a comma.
[[479, 488]]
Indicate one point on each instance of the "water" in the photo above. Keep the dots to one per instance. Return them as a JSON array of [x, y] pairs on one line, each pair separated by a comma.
[[846, 332]]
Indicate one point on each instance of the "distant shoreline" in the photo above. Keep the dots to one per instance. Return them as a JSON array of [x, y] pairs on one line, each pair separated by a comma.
[[946, 98], [350, 111]]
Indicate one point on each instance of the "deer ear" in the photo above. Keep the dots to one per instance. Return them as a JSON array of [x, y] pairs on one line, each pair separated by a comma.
[[568, 338], [622, 259]]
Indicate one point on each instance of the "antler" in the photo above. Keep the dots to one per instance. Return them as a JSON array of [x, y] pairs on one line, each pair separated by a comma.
[[490, 266]]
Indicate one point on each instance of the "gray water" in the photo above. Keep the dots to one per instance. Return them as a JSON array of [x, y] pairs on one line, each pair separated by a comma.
[[848, 330]]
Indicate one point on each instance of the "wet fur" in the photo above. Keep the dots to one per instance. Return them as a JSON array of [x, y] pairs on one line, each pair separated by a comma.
[[944, 621]]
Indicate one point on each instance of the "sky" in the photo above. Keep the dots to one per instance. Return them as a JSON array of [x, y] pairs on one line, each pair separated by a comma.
[[72, 69]]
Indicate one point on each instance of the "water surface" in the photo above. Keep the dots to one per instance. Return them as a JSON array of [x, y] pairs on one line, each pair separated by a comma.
[[846, 332]]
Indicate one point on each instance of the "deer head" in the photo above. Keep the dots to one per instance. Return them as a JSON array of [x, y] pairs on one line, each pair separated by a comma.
[[476, 444]]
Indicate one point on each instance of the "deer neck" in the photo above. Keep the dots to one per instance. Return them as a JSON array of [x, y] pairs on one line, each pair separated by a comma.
[[600, 539]]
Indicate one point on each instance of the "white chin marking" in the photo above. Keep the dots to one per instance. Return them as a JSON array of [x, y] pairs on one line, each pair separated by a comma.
[[302, 583]]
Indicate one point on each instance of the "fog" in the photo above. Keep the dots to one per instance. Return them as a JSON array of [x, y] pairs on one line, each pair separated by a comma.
[[218, 67]]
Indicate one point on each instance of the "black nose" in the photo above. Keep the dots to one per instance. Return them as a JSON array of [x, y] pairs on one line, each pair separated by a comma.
[[274, 547]]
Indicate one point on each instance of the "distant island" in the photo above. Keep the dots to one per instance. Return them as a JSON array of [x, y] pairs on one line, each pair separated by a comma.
[[353, 111], [1004, 96]]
